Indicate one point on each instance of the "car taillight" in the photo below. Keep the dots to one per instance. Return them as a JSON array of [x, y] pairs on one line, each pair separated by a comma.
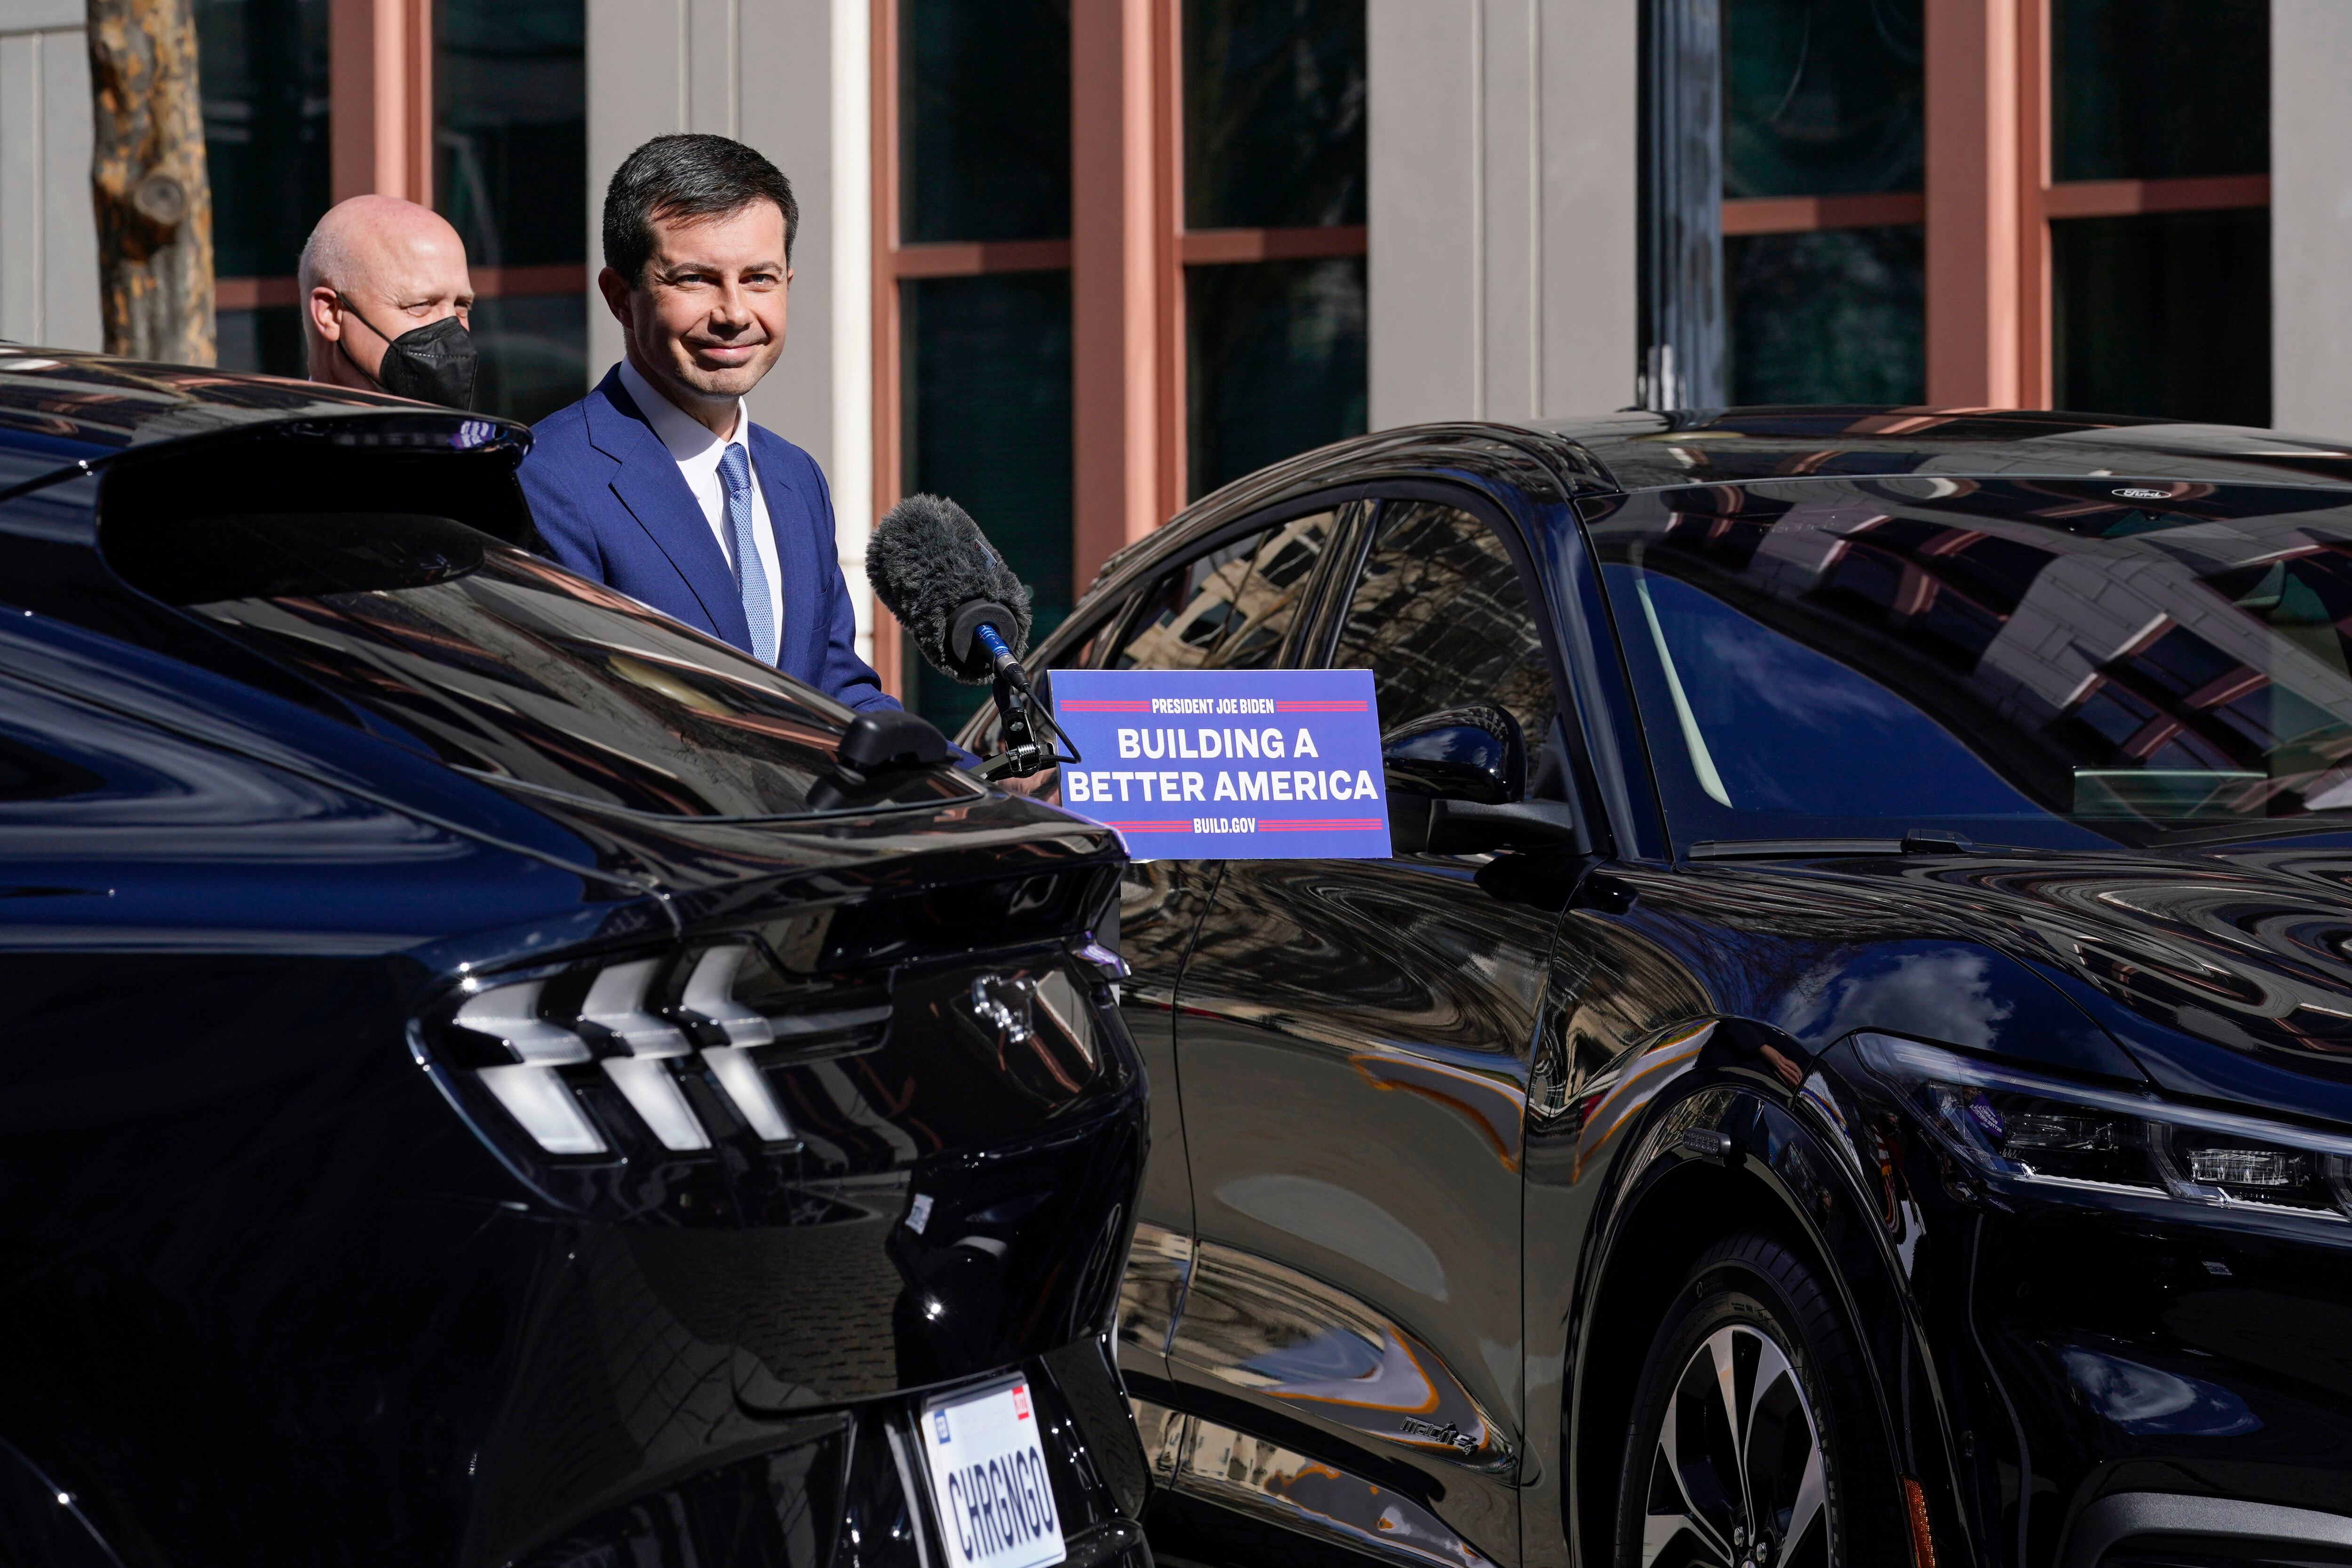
[[616, 1004], [645, 1023], [529, 1087], [711, 998]]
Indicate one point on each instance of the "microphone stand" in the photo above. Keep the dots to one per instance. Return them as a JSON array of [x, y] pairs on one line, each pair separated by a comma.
[[1023, 754]]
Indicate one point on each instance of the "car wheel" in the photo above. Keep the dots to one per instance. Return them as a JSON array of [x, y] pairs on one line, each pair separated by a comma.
[[1754, 1442]]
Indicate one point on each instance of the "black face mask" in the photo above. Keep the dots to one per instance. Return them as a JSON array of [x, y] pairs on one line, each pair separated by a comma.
[[433, 364]]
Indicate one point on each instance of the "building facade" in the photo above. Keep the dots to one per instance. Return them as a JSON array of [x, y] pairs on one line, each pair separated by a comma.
[[1076, 262]]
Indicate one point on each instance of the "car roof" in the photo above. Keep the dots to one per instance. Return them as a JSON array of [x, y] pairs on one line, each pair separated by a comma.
[[62, 407], [1635, 449], [1643, 450]]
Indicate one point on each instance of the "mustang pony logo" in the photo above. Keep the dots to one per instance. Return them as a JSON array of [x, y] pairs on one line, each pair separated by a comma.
[[1450, 1435]]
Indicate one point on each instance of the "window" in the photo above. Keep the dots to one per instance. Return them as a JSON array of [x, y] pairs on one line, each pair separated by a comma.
[[977, 245], [262, 67], [1069, 400], [2164, 313], [2160, 300], [1824, 160], [512, 137], [1790, 250], [508, 98], [1274, 149], [983, 121], [1441, 618], [987, 420], [1232, 608]]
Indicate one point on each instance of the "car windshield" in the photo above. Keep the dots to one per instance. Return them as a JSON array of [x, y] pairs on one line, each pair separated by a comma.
[[503, 665], [2040, 661]]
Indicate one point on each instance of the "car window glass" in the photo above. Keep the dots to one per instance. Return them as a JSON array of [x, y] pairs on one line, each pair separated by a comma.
[[1440, 616], [1089, 652], [2018, 660], [1231, 608]]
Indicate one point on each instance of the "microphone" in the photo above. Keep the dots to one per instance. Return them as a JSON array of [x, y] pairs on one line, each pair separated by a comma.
[[969, 615], [932, 568]]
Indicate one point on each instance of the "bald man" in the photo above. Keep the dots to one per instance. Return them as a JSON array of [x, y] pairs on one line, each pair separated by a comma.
[[386, 301]]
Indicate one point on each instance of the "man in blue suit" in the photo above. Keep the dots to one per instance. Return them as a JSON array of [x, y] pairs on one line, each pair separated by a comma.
[[657, 483]]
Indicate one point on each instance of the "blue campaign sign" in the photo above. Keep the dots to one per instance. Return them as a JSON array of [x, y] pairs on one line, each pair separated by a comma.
[[1264, 764]]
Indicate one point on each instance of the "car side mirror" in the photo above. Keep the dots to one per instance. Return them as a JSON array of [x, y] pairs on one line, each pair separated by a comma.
[[1474, 754], [1456, 779]]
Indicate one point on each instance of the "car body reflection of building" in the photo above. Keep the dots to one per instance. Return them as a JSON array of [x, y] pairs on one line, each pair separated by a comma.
[[2202, 677], [1231, 611]]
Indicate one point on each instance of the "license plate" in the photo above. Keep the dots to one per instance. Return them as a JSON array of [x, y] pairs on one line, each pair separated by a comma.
[[988, 1479]]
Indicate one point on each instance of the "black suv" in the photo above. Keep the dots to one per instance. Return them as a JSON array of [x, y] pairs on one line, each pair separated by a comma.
[[493, 1076], [1852, 1058]]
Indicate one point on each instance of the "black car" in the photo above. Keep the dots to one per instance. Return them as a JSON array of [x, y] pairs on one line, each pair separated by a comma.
[[1851, 1060], [489, 1075]]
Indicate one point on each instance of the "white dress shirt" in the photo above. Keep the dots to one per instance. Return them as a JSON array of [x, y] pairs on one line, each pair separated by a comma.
[[696, 452]]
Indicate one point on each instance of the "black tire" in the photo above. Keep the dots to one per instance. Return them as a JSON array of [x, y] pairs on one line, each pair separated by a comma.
[[1820, 1477]]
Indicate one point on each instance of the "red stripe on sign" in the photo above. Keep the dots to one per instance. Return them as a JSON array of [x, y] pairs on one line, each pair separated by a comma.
[[1106, 705], [1334, 707], [1329, 824], [1150, 826]]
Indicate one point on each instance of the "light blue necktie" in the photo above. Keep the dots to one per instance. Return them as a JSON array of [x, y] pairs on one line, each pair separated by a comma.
[[751, 579]]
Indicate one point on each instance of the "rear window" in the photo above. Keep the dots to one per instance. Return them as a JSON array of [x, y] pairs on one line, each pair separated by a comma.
[[501, 664]]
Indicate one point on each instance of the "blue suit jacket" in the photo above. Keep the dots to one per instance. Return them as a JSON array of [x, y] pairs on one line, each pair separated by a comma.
[[611, 505]]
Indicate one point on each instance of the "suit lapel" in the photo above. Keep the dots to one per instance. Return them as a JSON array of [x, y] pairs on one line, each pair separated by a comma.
[[799, 618], [649, 486]]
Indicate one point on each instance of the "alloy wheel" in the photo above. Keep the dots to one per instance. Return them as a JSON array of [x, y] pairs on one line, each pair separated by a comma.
[[1737, 1478]]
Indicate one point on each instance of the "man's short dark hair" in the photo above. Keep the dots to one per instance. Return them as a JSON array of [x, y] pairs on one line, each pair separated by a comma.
[[689, 175]]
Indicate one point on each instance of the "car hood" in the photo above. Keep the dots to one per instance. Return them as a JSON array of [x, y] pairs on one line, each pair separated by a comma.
[[2224, 971]]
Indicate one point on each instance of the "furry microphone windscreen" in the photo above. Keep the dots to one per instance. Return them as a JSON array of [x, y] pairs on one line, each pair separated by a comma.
[[926, 559]]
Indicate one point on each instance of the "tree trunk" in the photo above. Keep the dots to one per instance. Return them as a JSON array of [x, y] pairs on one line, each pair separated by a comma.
[[147, 175]]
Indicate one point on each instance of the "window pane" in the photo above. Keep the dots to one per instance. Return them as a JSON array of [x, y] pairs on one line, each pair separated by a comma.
[[1274, 113], [534, 353], [987, 422], [1822, 97], [1833, 316], [2165, 313], [268, 340], [510, 106], [984, 118], [1276, 363], [1441, 619], [262, 66], [1232, 608], [2145, 89]]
